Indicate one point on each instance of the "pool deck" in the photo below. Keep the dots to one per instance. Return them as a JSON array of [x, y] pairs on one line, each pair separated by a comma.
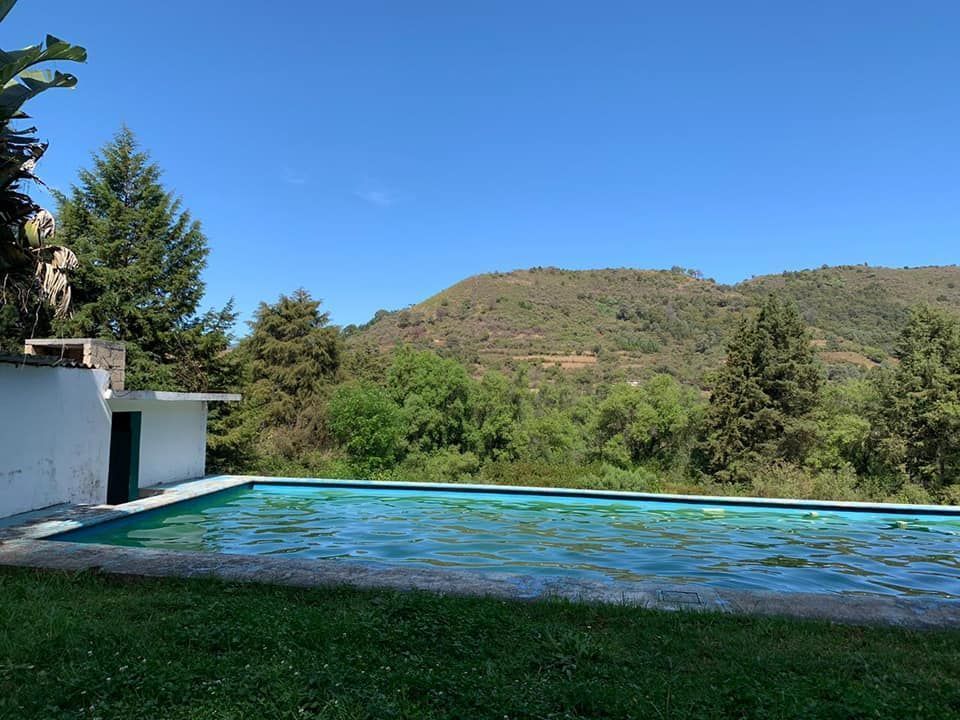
[[24, 542]]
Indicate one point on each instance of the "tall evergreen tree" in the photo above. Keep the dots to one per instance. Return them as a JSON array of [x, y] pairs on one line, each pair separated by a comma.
[[232, 429], [763, 397], [294, 358], [141, 256], [918, 425]]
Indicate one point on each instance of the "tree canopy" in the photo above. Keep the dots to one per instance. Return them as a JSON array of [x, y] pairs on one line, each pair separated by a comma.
[[294, 357], [655, 421], [765, 393], [918, 423], [434, 395], [139, 278]]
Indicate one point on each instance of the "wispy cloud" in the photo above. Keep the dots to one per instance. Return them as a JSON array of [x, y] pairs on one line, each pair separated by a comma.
[[292, 177], [376, 192], [380, 197]]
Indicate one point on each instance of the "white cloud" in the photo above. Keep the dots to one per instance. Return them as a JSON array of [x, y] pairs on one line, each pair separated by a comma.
[[292, 177], [378, 196], [374, 191]]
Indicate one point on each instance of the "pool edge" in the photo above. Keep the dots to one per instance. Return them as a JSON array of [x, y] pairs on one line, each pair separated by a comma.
[[64, 519], [786, 503], [914, 613], [31, 545]]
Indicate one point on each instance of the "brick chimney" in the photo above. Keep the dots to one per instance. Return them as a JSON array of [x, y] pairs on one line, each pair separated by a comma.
[[101, 354]]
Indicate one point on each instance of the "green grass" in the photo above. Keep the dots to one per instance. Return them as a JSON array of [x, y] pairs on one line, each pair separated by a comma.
[[85, 646]]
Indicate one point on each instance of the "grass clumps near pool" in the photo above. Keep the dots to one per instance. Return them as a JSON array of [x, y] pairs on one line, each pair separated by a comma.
[[91, 646]]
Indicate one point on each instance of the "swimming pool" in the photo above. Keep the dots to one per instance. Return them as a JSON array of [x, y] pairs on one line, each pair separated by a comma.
[[594, 538]]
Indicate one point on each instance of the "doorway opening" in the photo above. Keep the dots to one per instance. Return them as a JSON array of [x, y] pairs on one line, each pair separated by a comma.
[[123, 478]]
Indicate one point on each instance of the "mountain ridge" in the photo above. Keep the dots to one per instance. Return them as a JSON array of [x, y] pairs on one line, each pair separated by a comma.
[[625, 323]]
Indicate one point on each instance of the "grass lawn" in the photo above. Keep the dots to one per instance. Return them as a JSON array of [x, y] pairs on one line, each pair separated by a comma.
[[84, 646]]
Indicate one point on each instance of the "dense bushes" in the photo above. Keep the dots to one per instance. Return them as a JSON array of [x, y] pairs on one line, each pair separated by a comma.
[[367, 424], [771, 427], [656, 422]]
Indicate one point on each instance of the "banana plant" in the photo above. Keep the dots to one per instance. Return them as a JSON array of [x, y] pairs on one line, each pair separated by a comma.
[[30, 264]]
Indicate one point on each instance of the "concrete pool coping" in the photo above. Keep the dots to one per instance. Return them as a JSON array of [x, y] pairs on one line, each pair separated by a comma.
[[25, 542]]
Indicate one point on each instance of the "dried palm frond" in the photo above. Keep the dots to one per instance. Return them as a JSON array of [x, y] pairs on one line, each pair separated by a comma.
[[52, 273], [37, 230], [30, 267]]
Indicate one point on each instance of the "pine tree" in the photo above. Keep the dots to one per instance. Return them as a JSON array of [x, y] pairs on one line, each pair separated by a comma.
[[918, 425], [294, 358], [763, 397], [141, 257]]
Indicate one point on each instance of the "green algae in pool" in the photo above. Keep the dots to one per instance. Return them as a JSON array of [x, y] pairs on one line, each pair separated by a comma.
[[599, 539]]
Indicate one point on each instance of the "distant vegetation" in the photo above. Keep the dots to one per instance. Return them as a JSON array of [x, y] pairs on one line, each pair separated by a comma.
[[838, 383], [631, 324], [771, 425]]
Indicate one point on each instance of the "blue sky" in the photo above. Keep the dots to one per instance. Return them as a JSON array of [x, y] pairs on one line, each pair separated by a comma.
[[376, 152]]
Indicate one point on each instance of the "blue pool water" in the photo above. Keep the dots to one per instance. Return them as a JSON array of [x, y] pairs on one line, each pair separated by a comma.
[[764, 548]]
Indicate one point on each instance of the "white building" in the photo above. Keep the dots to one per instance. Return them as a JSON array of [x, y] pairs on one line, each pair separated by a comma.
[[71, 433]]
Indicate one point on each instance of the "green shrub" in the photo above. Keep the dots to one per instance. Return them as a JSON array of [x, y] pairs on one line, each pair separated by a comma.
[[950, 495], [786, 480], [446, 465], [368, 424], [912, 494]]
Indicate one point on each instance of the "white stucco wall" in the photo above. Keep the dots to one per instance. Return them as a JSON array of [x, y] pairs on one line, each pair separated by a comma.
[[173, 438], [54, 437]]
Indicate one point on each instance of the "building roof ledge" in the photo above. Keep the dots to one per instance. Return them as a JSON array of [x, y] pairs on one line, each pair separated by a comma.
[[42, 361], [46, 342], [164, 396]]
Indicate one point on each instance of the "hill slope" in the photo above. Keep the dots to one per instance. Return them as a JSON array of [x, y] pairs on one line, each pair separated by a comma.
[[627, 324]]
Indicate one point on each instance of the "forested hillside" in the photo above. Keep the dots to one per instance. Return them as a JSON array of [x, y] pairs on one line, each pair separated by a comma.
[[837, 383], [625, 324]]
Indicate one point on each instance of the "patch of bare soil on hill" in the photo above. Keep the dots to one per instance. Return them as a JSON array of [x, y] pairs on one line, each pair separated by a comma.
[[846, 356], [567, 362]]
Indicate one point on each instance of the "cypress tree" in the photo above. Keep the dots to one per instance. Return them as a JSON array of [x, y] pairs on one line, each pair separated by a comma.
[[763, 397], [141, 256], [918, 424], [294, 358]]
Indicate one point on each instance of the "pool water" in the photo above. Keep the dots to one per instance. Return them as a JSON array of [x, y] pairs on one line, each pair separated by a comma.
[[599, 539]]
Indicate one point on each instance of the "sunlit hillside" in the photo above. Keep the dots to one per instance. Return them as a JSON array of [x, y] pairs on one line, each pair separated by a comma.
[[627, 324]]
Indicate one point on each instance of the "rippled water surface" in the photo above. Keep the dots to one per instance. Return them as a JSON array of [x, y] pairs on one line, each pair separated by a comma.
[[732, 546]]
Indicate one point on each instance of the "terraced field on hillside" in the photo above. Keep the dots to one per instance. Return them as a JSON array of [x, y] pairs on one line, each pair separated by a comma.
[[628, 324]]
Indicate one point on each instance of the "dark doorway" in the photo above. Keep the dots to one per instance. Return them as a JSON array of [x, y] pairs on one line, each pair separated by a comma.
[[123, 479]]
